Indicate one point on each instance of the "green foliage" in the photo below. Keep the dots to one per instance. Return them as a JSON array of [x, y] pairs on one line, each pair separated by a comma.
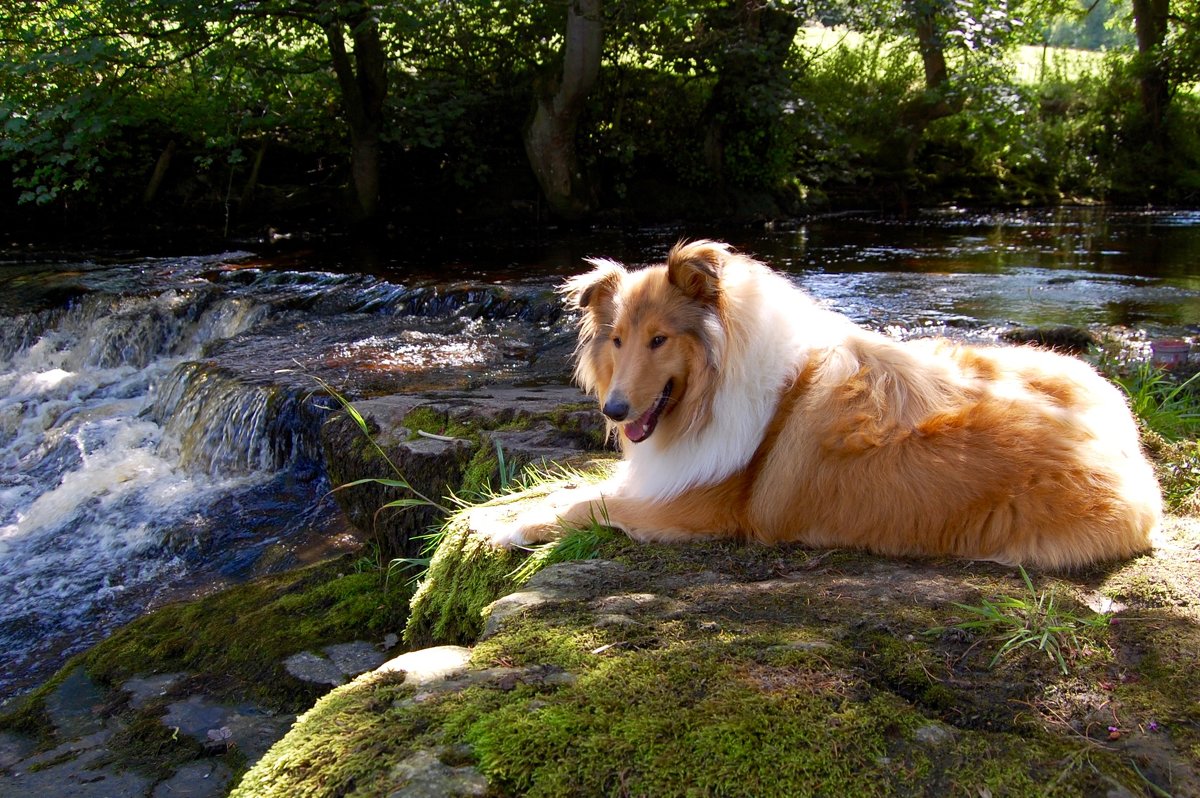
[[703, 96], [1036, 620], [1169, 407]]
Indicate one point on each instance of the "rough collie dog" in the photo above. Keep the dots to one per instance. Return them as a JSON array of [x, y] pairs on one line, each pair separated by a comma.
[[745, 410]]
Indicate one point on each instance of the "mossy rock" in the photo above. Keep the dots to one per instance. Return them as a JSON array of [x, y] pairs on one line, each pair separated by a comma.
[[462, 444], [728, 669], [232, 644], [124, 706]]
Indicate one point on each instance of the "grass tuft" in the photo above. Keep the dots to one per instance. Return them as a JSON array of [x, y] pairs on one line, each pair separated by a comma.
[[1167, 406], [1034, 620], [398, 480]]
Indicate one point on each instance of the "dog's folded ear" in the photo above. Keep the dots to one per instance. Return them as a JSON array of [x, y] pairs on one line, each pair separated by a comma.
[[695, 268], [595, 287]]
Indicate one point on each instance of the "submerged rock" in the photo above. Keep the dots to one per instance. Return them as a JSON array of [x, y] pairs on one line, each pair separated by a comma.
[[1064, 338]]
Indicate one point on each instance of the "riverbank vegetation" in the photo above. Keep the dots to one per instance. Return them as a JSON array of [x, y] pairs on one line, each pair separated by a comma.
[[236, 116]]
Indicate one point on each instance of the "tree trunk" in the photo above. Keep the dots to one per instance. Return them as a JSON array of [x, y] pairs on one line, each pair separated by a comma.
[[756, 43], [1150, 24], [933, 55], [936, 101], [255, 169], [160, 171], [364, 86], [550, 135]]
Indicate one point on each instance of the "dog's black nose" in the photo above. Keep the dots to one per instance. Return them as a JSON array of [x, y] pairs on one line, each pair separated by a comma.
[[616, 408]]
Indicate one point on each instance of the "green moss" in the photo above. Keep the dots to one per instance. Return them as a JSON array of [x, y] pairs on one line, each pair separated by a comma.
[[530, 640], [818, 683], [575, 418], [236, 640], [465, 575], [438, 422], [1164, 686], [372, 734], [146, 744], [907, 668], [482, 474], [28, 714]]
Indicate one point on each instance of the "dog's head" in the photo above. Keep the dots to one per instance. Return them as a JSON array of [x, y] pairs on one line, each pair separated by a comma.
[[651, 341]]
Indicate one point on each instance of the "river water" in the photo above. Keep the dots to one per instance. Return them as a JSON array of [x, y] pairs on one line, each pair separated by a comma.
[[159, 417]]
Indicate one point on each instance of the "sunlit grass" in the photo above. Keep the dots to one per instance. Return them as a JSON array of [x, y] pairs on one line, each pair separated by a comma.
[[582, 543], [1028, 64], [1035, 619], [1170, 407]]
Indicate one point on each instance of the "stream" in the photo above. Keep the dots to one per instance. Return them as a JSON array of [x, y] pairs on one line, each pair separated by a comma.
[[159, 417]]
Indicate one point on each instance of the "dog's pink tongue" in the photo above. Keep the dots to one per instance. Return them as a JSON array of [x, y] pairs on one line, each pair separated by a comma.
[[637, 431]]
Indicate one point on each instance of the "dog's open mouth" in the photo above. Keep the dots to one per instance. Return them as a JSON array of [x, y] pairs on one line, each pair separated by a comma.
[[639, 430]]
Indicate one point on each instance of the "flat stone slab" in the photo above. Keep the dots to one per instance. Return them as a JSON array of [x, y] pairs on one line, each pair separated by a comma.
[[74, 707], [145, 689], [14, 748], [251, 729], [340, 663], [355, 658], [425, 775], [201, 779], [79, 770], [309, 667]]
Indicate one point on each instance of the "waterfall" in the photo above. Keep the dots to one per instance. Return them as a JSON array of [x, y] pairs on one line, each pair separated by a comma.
[[217, 424], [113, 440]]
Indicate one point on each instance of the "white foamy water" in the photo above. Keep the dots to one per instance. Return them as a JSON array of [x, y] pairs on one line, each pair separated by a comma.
[[92, 491]]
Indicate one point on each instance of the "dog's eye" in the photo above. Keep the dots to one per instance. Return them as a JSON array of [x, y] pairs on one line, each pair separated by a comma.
[[616, 342], [657, 341]]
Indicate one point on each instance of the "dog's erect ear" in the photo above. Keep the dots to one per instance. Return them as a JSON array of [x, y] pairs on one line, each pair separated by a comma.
[[695, 268], [595, 287]]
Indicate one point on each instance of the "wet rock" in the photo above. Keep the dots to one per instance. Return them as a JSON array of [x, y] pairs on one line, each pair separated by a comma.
[[77, 769], [529, 425], [424, 775], [1071, 340], [145, 689], [432, 466], [355, 658], [74, 707], [14, 748], [341, 662], [201, 779], [309, 667], [252, 729]]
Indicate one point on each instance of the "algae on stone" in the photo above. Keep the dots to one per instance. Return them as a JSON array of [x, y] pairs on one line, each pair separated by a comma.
[[235, 641]]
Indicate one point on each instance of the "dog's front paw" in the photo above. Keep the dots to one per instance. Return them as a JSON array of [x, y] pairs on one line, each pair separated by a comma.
[[505, 529]]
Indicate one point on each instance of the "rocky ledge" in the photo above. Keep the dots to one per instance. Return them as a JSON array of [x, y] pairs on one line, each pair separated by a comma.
[[722, 669]]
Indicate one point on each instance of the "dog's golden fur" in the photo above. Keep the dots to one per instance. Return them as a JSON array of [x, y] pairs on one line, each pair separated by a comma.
[[759, 415]]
